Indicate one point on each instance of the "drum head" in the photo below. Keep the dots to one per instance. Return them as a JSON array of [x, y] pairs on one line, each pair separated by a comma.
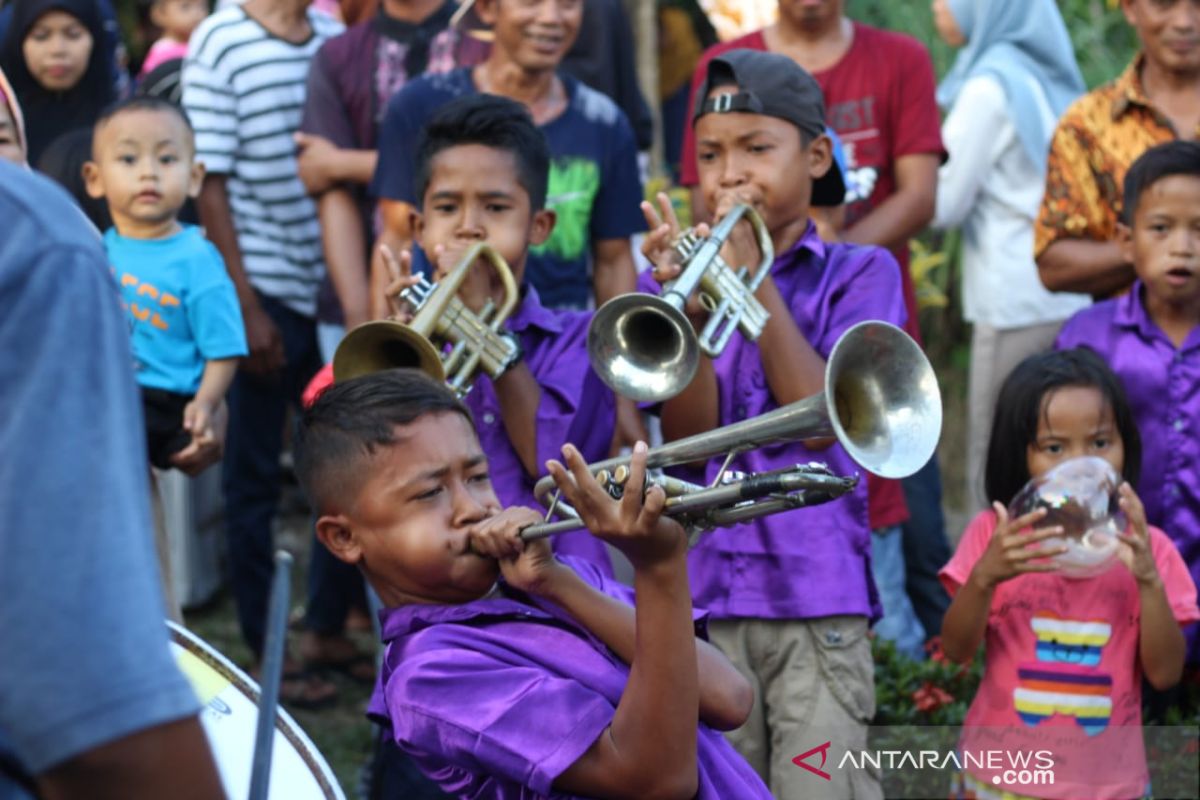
[[229, 717]]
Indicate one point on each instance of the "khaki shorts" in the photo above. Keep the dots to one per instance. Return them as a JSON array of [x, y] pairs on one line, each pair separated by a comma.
[[814, 682]]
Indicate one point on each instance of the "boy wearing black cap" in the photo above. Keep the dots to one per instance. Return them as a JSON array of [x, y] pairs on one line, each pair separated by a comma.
[[791, 595]]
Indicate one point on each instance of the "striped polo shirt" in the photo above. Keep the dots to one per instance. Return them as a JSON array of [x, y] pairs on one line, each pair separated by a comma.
[[244, 89]]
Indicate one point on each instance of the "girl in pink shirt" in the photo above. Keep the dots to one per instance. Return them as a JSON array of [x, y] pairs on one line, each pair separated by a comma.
[[176, 19], [1058, 712]]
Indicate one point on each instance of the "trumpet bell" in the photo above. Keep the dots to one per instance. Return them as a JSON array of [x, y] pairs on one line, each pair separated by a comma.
[[882, 399], [385, 344], [643, 347]]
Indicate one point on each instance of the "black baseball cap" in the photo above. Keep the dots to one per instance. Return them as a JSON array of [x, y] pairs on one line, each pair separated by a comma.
[[775, 86]]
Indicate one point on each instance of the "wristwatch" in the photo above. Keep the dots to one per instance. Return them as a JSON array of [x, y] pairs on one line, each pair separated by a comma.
[[516, 353]]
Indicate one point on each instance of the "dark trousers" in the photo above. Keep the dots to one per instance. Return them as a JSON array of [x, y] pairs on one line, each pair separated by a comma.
[[252, 477], [926, 548]]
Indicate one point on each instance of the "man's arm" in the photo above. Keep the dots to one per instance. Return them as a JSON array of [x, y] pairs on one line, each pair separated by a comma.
[[1084, 265], [344, 239], [613, 272], [262, 336], [907, 211], [323, 165]]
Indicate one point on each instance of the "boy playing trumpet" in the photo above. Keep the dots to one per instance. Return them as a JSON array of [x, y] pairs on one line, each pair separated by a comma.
[[791, 594], [510, 673]]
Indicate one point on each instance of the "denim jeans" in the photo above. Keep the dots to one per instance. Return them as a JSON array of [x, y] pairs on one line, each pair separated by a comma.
[[899, 624], [252, 476]]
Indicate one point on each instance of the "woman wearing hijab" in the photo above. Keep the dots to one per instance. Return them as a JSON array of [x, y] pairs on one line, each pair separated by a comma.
[[56, 57], [1015, 74]]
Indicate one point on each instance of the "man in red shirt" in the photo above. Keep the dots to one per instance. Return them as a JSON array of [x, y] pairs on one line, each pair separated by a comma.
[[879, 98]]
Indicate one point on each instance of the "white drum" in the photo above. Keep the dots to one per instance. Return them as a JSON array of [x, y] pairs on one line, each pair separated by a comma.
[[229, 717]]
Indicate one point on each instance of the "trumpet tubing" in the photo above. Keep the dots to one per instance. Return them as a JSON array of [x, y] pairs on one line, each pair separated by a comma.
[[440, 320], [643, 346], [881, 402]]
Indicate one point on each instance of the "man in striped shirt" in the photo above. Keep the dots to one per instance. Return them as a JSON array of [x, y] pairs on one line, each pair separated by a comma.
[[244, 88]]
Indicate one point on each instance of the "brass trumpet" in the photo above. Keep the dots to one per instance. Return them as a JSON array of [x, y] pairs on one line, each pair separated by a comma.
[[440, 318], [881, 402], [644, 347]]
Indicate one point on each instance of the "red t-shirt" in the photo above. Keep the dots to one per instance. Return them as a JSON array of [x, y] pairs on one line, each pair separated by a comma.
[[880, 99]]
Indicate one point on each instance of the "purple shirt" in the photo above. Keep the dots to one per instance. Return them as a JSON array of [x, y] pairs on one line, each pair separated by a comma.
[[811, 562], [498, 697], [1163, 386], [576, 407]]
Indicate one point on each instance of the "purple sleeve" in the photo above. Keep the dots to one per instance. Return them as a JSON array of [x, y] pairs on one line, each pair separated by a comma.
[[325, 114], [867, 288], [1075, 332], [513, 723]]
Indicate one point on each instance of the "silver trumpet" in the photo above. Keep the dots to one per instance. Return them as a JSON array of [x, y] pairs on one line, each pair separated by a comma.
[[643, 345], [881, 402], [439, 318]]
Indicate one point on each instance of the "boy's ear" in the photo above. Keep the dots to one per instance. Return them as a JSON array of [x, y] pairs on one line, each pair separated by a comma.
[[416, 224], [1124, 240], [336, 532], [820, 156], [93, 181], [487, 11], [541, 226], [196, 178]]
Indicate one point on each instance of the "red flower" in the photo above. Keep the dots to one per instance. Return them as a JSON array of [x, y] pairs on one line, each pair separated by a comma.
[[934, 648], [930, 698]]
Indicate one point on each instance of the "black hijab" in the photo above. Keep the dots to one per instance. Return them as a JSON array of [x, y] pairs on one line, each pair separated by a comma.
[[48, 114]]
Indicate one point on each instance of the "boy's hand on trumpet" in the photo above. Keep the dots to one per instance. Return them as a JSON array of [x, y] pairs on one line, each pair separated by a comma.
[[476, 288], [635, 524], [659, 249], [400, 277], [528, 566]]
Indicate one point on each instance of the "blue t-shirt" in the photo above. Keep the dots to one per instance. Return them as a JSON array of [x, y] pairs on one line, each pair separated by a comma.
[[594, 186], [84, 654], [183, 309]]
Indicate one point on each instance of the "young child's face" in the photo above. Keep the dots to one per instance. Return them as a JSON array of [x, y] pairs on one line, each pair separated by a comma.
[[1075, 421], [144, 166], [56, 50], [178, 18], [759, 160], [10, 143], [1164, 242], [408, 526], [474, 195]]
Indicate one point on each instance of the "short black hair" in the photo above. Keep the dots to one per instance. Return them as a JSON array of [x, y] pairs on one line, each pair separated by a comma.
[[144, 102], [1021, 404], [352, 419], [1179, 157], [491, 121]]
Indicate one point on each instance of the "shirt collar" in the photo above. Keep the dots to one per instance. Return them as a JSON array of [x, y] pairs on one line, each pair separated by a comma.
[[1128, 92], [398, 622], [810, 241], [530, 313]]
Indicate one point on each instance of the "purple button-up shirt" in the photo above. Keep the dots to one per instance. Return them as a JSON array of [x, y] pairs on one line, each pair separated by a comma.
[[576, 407], [498, 697], [1163, 386], [811, 562]]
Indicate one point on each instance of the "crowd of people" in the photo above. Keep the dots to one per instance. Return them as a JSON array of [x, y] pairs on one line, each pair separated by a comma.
[[276, 173]]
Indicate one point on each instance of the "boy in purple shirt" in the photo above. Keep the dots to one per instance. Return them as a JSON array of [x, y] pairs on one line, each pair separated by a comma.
[[791, 594], [510, 673], [1151, 339], [481, 170]]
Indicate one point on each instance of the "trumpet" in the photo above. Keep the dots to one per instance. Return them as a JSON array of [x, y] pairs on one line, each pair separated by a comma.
[[440, 319], [881, 402], [644, 347]]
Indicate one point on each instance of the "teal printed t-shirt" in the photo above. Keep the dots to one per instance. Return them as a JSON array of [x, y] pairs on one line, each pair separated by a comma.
[[181, 305], [594, 188]]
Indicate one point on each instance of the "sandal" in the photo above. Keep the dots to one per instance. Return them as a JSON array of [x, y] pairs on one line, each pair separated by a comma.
[[306, 690]]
